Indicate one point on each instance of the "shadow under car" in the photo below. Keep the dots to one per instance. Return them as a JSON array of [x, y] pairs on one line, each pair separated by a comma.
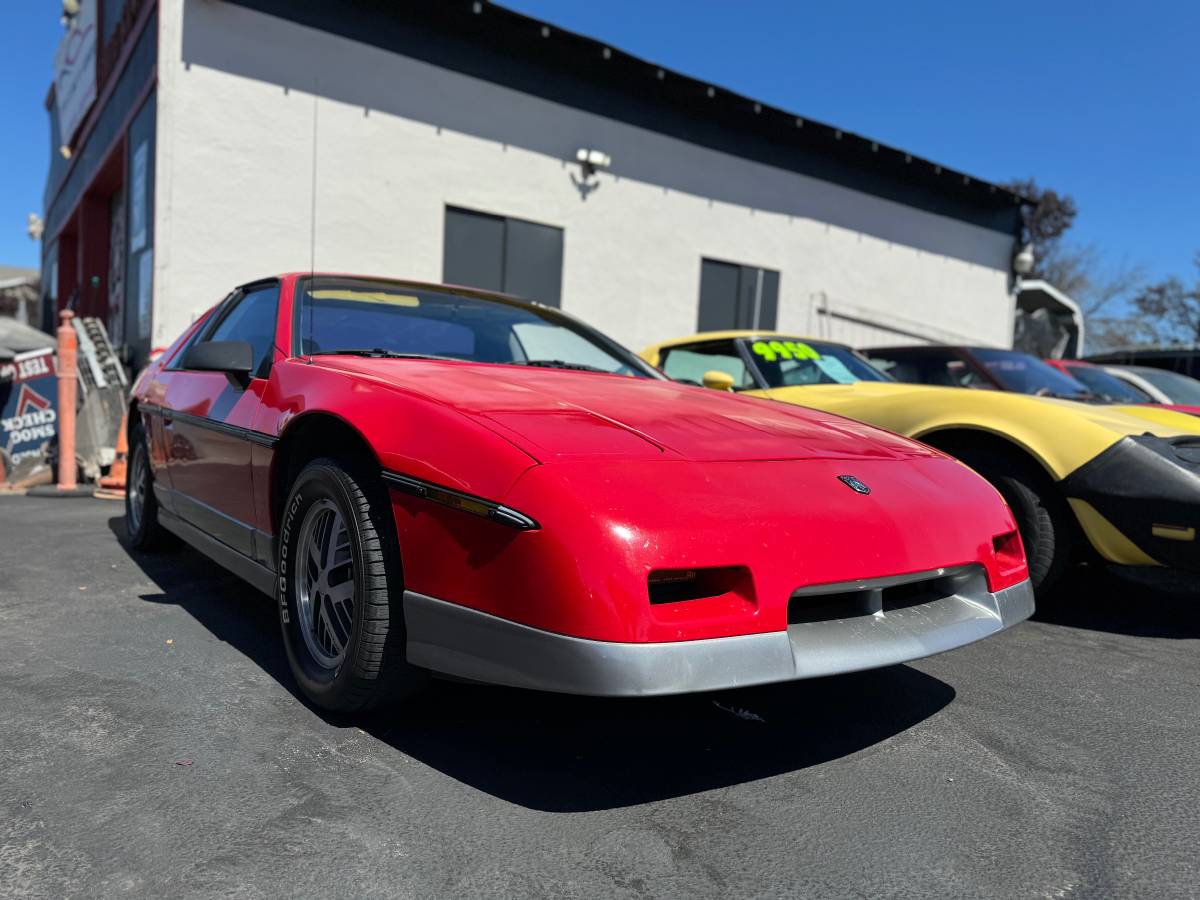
[[563, 753]]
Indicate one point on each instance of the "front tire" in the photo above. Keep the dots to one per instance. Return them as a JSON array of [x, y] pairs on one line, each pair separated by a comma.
[[1043, 517], [340, 591]]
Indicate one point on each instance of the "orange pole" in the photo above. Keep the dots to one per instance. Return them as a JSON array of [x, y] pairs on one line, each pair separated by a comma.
[[68, 348]]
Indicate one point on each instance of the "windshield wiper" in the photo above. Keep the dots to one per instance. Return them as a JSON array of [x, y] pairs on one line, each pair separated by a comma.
[[558, 364], [380, 353], [1086, 397]]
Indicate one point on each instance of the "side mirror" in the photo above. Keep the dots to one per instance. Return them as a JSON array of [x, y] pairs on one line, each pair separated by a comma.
[[234, 358], [718, 381]]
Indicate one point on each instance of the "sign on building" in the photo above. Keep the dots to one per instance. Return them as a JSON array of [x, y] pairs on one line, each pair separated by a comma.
[[75, 71]]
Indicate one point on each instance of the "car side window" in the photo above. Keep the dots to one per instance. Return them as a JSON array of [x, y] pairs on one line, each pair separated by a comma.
[[690, 363], [935, 367], [963, 375], [251, 319]]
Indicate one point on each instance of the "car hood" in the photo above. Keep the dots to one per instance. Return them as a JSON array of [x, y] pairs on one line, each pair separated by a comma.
[[1177, 417], [1061, 434], [861, 398], [560, 414]]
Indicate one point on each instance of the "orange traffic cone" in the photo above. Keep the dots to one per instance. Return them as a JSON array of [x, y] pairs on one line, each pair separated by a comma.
[[114, 481]]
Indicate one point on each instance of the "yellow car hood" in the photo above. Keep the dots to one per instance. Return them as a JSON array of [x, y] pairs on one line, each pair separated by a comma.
[[1061, 434]]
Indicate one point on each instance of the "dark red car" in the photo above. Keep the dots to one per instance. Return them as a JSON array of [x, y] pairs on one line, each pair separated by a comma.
[[439, 479]]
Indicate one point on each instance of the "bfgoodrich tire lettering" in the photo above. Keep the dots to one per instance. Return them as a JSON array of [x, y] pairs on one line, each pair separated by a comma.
[[340, 588]]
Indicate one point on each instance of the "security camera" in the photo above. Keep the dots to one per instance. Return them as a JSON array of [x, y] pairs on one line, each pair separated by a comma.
[[1023, 261], [591, 160], [594, 158]]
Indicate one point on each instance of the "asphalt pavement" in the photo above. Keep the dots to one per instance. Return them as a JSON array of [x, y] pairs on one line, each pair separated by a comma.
[[152, 744]]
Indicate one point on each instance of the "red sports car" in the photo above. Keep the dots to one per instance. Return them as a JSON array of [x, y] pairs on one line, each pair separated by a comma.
[[435, 479]]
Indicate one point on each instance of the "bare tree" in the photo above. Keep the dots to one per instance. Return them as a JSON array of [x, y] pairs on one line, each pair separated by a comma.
[[1079, 270], [1171, 310]]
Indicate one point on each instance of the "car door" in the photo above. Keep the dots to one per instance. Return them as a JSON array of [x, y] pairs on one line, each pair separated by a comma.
[[207, 418]]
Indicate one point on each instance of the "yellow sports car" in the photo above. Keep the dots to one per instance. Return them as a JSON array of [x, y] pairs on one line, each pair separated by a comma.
[[1074, 474]]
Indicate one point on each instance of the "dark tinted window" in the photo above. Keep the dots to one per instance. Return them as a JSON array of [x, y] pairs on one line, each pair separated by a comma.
[[1027, 374], [1107, 387], [934, 366], [251, 319]]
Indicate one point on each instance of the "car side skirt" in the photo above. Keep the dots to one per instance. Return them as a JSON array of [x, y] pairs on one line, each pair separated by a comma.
[[237, 563], [466, 643]]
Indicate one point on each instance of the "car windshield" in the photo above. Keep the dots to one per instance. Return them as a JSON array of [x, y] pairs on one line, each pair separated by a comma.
[[1026, 374], [386, 319], [1181, 389], [786, 362], [1106, 386]]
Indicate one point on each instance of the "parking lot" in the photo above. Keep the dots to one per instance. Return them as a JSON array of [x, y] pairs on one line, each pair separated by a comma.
[[152, 744]]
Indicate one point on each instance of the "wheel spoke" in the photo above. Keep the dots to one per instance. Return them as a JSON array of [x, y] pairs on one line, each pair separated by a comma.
[[333, 524], [336, 640], [341, 593], [325, 583], [314, 559]]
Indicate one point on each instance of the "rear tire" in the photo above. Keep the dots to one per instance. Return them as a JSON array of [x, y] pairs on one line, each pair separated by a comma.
[[340, 591], [141, 507]]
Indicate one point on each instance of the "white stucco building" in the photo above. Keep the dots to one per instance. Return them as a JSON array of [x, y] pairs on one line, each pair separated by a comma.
[[439, 141]]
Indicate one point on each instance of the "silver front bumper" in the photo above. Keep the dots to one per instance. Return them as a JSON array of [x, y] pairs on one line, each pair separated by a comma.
[[455, 640]]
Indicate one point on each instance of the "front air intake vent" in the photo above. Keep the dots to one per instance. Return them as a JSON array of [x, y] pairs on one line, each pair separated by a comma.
[[830, 603], [680, 585]]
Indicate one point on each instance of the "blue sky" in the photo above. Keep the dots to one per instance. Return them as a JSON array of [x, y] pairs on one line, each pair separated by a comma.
[[1096, 99]]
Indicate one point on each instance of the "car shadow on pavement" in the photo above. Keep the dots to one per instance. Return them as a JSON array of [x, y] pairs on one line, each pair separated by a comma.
[[562, 753], [1123, 600]]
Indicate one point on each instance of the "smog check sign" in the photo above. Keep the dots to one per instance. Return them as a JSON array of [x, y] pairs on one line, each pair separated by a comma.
[[28, 414]]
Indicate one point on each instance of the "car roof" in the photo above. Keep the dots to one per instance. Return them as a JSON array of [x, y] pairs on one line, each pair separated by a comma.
[[733, 334], [919, 348], [1138, 370]]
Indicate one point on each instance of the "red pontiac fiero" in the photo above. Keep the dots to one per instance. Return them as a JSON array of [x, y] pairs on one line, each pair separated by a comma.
[[437, 479]]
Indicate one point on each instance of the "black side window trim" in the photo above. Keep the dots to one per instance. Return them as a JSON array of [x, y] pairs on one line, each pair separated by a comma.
[[221, 313], [201, 334]]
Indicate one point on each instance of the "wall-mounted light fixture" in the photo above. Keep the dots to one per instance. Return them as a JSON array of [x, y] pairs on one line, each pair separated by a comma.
[[592, 160]]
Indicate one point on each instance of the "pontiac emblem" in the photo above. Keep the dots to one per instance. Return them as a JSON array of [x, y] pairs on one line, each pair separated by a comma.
[[854, 484]]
